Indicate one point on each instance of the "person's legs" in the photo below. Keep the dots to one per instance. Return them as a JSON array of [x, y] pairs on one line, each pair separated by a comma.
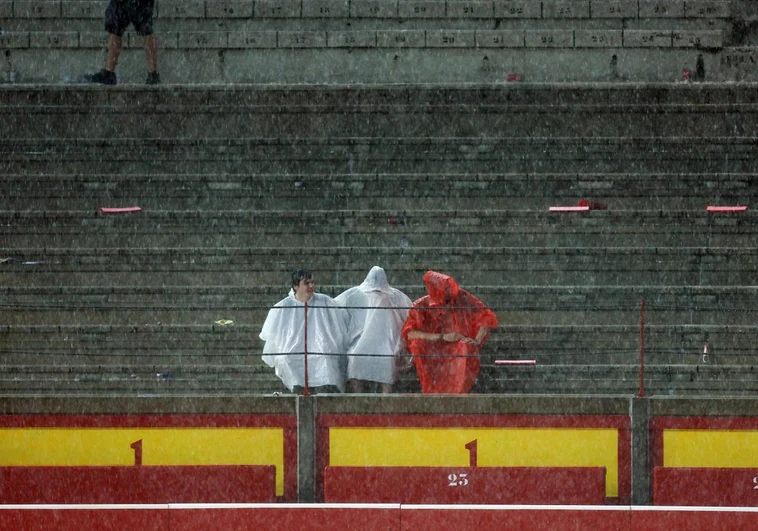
[[325, 389], [115, 45], [318, 390], [116, 22], [151, 52], [368, 386], [142, 18]]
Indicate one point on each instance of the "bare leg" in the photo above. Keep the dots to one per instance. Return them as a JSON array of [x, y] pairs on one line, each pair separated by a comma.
[[115, 44], [151, 50], [386, 388], [356, 386]]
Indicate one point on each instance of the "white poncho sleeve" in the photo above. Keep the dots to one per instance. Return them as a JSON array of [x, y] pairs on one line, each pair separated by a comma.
[[284, 334]]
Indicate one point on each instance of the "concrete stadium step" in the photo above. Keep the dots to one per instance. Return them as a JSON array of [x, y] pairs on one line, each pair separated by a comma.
[[142, 380], [365, 228], [403, 54], [567, 266], [59, 345], [401, 191], [620, 344], [300, 12], [348, 99], [389, 41], [515, 305], [653, 373], [142, 371], [615, 154], [99, 359], [463, 111], [575, 379], [601, 379], [99, 353]]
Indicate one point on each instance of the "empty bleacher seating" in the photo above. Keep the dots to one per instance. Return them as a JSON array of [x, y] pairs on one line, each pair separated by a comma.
[[239, 185]]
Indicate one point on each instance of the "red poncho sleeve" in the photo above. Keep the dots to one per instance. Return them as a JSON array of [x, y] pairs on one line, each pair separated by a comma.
[[476, 316], [415, 320]]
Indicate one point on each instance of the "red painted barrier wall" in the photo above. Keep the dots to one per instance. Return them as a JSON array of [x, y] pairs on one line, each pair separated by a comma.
[[81, 519], [325, 451], [253, 517], [289, 518], [78, 430], [669, 519], [440, 518], [471, 485], [137, 484], [726, 487]]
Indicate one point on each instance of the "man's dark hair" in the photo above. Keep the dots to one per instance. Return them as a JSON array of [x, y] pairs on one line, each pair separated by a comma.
[[300, 274]]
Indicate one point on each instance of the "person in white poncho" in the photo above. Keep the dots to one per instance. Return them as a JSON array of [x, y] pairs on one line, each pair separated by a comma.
[[284, 334], [376, 316]]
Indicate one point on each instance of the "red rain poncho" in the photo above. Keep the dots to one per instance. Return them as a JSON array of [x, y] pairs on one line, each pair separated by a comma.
[[447, 308]]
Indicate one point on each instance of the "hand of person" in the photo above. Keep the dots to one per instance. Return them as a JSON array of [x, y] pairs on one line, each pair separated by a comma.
[[404, 363], [451, 337]]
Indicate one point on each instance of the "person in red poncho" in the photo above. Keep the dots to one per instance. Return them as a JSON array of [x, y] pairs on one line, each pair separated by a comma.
[[447, 322]]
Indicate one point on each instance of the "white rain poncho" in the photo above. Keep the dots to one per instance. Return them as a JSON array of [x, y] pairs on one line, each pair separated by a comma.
[[374, 330], [284, 334]]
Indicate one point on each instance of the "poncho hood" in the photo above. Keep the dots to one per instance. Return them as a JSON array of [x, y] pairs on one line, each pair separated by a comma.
[[442, 288], [376, 280]]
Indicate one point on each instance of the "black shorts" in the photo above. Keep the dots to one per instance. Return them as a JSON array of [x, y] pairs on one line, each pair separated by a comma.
[[120, 13]]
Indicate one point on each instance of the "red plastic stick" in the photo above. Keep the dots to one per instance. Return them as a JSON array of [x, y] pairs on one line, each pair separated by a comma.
[[121, 210], [569, 208], [712, 208]]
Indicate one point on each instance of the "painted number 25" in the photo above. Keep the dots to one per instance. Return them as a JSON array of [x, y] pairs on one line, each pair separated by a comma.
[[755, 483], [457, 480]]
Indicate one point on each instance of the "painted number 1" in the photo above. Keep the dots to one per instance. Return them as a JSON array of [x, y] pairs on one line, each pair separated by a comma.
[[471, 447], [137, 447]]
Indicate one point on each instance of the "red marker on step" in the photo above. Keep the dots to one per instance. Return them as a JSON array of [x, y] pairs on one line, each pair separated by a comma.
[[120, 210], [717, 209]]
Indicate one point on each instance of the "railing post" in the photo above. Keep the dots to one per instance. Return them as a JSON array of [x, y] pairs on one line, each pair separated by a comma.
[[306, 392], [306, 449], [641, 462]]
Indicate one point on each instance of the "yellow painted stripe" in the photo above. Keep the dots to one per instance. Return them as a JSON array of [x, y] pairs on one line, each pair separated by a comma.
[[495, 447], [160, 446], [710, 448]]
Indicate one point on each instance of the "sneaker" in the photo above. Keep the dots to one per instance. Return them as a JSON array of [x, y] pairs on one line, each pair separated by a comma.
[[104, 77], [153, 78]]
